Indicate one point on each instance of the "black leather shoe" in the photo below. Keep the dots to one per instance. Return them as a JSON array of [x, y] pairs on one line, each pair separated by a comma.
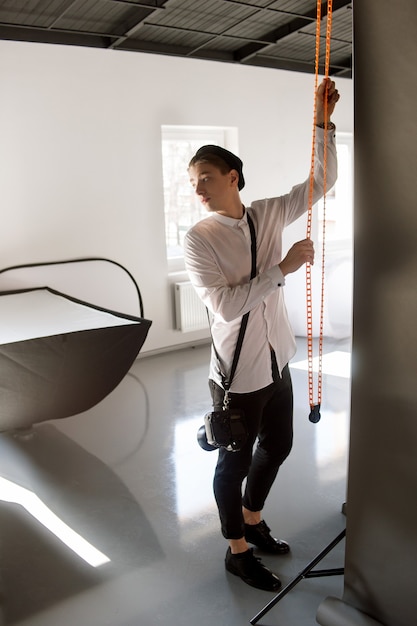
[[250, 569], [259, 535]]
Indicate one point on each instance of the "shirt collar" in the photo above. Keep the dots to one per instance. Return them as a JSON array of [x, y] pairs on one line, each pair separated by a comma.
[[231, 221]]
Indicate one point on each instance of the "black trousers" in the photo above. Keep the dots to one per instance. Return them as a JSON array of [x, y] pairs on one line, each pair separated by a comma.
[[269, 417]]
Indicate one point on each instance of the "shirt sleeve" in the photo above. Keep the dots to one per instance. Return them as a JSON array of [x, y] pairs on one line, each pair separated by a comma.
[[296, 202], [212, 287]]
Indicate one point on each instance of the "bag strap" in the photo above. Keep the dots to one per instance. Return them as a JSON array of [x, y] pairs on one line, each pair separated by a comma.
[[228, 382]]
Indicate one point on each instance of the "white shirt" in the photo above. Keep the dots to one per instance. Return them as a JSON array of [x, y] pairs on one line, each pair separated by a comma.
[[218, 260]]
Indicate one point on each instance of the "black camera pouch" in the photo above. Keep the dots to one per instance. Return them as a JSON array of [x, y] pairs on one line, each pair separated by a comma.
[[226, 428]]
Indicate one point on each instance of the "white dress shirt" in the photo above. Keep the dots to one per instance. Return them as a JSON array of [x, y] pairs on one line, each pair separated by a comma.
[[218, 260]]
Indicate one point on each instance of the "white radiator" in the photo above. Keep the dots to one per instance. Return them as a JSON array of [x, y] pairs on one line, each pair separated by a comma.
[[190, 312]]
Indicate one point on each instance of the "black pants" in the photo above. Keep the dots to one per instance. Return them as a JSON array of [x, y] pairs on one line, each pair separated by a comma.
[[269, 416]]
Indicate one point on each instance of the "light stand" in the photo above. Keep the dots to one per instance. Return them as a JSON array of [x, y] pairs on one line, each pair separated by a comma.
[[307, 572]]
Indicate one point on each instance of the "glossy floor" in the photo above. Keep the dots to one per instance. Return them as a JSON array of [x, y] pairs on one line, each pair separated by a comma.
[[108, 517]]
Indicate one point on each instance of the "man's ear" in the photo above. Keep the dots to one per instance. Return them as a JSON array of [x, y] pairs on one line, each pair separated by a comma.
[[234, 177]]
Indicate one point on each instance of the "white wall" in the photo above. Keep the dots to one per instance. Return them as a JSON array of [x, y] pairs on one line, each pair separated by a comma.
[[80, 155]]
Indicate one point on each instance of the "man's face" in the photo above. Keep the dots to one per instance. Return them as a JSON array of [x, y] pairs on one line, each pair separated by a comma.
[[214, 189]]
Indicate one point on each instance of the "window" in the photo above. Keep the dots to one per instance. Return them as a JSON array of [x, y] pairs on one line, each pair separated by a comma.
[[339, 200], [182, 208]]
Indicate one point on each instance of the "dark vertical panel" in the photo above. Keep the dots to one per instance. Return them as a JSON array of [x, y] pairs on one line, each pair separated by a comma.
[[381, 547]]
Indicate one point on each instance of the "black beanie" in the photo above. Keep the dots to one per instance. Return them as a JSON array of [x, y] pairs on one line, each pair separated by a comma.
[[231, 159]]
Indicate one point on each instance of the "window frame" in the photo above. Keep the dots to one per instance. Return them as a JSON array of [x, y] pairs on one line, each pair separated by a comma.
[[197, 135]]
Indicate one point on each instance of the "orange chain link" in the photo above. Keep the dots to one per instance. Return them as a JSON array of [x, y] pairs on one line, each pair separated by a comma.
[[315, 406]]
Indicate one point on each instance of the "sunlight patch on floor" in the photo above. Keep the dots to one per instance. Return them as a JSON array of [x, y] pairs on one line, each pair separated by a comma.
[[335, 363]]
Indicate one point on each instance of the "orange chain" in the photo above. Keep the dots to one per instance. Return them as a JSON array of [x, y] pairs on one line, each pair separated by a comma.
[[315, 406]]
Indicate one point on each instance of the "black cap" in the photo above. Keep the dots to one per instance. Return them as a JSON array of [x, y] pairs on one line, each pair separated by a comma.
[[231, 159]]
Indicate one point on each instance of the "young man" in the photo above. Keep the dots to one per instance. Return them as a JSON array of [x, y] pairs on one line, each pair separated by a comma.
[[218, 261]]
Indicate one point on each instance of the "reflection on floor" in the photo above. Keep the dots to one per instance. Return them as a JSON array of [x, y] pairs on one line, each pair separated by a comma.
[[108, 518]]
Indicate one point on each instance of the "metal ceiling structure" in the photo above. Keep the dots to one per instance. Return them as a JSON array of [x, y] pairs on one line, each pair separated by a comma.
[[277, 34]]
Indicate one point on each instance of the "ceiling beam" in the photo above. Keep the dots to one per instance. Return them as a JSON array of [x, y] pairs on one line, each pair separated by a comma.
[[62, 14], [270, 10], [293, 65], [152, 9], [137, 45], [222, 35], [157, 4], [13, 32]]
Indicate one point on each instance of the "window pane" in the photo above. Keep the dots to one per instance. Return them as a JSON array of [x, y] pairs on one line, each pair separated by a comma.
[[182, 207], [339, 204]]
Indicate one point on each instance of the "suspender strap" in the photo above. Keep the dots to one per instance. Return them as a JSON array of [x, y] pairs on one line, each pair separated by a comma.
[[253, 246]]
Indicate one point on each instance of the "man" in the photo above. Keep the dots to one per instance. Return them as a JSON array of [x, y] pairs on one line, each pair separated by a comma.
[[218, 260]]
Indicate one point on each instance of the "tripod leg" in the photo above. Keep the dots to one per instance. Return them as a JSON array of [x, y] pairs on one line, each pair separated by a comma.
[[298, 578]]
